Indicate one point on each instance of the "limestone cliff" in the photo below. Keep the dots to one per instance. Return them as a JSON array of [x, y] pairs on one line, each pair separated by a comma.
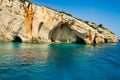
[[28, 22]]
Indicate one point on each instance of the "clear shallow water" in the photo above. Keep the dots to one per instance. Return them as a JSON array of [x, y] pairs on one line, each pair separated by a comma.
[[21, 61]]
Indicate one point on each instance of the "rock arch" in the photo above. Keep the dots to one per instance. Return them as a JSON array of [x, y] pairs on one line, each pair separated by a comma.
[[63, 33]]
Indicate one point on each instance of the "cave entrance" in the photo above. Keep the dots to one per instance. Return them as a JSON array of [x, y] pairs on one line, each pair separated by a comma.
[[80, 41], [65, 34], [17, 39], [60, 33], [106, 40], [94, 41]]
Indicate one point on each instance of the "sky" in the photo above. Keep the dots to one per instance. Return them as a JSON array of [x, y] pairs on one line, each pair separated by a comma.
[[106, 12]]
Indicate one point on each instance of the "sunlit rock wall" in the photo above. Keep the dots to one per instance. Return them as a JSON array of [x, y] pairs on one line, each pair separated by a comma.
[[37, 24]]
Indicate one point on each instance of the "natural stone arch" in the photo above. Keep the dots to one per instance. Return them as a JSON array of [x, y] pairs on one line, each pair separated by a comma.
[[63, 33]]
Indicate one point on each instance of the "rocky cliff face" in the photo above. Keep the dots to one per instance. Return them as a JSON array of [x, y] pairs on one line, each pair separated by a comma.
[[27, 22]]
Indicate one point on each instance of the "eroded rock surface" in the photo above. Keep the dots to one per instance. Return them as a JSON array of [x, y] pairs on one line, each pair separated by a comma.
[[28, 22]]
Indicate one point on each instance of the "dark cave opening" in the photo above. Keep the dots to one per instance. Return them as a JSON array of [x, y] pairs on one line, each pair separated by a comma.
[[80, 41], [17, 39], [94, 41], [106, 40]]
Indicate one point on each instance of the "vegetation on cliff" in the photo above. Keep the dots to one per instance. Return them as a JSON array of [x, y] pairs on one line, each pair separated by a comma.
[[23, 0]]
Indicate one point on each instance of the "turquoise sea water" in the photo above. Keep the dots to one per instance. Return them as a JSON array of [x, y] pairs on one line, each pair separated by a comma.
[[22, 61]]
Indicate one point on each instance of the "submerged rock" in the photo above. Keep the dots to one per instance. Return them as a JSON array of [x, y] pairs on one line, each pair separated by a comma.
[[32, 23]]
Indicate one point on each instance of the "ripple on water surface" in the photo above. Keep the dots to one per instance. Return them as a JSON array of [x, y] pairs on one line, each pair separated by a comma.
[[22, 61]]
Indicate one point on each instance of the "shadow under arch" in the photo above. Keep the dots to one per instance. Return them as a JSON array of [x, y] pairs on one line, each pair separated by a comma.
[[80, 41], [17, 39]]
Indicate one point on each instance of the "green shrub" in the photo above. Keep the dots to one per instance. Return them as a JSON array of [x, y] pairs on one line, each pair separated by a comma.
[[100, 25], [86, 22], [66, 13], [50, 8], [23, 0]]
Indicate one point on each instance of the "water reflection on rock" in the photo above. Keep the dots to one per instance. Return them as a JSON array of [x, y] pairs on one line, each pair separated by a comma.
[[57, 61], [42, 53], [34, 54]]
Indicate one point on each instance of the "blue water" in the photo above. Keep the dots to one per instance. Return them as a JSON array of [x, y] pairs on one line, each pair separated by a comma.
[[23, 61]]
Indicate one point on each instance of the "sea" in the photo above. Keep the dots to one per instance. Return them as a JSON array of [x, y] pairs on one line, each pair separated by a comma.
[[26, 61]]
